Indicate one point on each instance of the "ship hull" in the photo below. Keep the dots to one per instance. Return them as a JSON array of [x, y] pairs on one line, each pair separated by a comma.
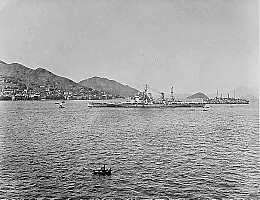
[[143, 105]]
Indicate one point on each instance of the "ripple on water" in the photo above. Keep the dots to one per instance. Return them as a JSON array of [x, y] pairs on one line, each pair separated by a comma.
[[173, 153]]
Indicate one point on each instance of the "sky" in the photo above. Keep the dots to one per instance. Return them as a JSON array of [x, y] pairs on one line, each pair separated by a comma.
[[192, 45]]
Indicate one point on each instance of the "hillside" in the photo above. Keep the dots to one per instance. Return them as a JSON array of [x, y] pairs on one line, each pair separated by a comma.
[[109, 86], [14, 70], [35, 77], [198, 95], [42, 76]]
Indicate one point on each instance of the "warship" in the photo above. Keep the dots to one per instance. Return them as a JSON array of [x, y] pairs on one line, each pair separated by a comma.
[[145, 100]]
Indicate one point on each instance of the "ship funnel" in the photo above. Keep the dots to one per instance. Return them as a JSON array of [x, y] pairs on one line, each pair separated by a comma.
[[150, 95], [172, 91], [162, 95]]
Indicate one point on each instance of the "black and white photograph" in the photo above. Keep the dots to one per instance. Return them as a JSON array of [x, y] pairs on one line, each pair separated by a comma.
[[129, 99]]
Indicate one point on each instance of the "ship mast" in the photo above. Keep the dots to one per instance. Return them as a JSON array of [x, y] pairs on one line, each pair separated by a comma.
[[145, 96], [172, 92], [145, 90]]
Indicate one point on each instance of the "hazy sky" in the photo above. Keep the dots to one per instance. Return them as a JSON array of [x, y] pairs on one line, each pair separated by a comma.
[[193, 45]]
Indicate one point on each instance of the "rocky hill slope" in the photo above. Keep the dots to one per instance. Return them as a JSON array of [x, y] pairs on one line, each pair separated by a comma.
[[110, 86], [35, 77]]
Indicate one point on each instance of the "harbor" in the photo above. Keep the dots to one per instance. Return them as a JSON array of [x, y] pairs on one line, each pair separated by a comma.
[[141, 100]]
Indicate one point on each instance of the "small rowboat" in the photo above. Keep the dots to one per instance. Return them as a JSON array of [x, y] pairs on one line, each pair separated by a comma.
[[102, 171]]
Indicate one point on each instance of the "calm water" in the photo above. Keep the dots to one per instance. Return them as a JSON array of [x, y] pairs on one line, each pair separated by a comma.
[[154, 153]]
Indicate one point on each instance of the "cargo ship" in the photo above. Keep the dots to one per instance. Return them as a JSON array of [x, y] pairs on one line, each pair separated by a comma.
[[145, 100]]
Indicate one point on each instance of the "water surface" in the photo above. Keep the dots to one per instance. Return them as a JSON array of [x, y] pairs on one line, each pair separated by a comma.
[[153, 152]]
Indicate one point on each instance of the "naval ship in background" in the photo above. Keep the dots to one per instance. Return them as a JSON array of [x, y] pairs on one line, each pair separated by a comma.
[[145, 100], [227, 100]]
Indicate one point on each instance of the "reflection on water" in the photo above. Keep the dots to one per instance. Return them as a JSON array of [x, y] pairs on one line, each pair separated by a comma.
[[167, 153]]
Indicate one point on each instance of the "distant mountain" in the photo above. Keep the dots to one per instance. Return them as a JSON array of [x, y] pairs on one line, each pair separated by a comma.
[[110, 86], [2, 62], [42, 76], [250, 97], [35, 77], [240, 92], [14, 70], [244, 91], [198, 95]]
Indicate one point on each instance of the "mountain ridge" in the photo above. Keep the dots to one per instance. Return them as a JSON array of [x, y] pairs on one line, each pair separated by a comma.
[[37, 76], [41, 77], [111, 86]]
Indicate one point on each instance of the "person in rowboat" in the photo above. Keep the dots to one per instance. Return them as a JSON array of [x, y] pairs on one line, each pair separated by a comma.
[[103, 168]]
